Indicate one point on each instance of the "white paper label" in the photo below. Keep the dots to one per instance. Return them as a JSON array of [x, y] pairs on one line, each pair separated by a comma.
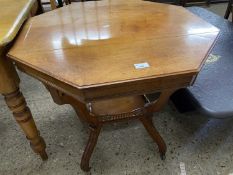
[[182, 169], [141, 65]]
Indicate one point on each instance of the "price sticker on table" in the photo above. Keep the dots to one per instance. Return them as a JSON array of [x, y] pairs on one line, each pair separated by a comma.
[[141, 65]]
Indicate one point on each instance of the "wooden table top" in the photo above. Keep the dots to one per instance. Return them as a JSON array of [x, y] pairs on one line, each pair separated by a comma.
[[91, 44], [13, 15]]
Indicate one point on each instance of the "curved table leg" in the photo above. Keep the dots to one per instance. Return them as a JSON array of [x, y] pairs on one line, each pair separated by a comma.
[[17, 104], [148, 124], [81, 110], [94, 133]]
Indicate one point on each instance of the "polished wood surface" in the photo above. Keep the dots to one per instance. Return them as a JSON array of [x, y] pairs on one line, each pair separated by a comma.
[[13, 15], [85, 53], [97, 43]]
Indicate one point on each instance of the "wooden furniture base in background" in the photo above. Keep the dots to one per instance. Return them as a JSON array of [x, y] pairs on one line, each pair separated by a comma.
[[98, 113]]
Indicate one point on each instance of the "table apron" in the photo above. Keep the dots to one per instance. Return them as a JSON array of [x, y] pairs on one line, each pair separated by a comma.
[[138, 87]]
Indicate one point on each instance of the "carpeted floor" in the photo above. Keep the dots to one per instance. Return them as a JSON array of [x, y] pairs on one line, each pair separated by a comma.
[[203, 145]]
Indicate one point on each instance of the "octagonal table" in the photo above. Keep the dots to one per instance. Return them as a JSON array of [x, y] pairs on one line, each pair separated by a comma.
[[92, 51]]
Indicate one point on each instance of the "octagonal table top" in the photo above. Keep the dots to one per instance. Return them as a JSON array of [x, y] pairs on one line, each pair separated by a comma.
[[90, 44]]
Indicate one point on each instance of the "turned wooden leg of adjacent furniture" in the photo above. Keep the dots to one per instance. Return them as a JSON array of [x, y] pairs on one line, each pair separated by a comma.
[[9, 88], [23, 116]]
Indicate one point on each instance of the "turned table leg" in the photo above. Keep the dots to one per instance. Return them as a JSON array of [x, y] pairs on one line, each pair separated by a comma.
[[23, 116], [9, 88]]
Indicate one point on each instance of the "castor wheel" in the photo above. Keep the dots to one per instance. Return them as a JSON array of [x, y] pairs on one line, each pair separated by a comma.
[[162, 156]]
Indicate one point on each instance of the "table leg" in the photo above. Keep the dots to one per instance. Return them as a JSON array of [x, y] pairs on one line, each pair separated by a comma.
[[23, 116], [17, 104], [95, 125], [81, 110], [148, 124], [94, 133]]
